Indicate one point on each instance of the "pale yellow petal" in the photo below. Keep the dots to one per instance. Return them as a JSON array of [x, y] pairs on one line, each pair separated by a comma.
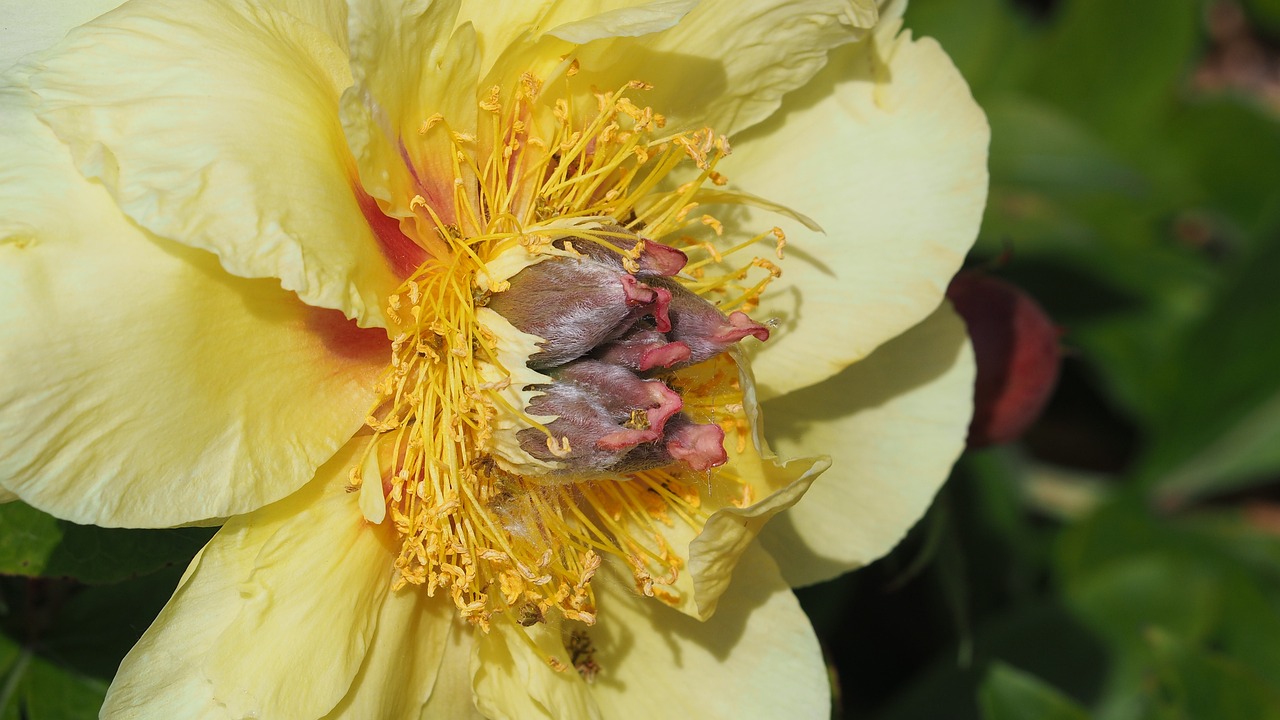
[[887, 151], [630, 21], [216, 125], [451, 696], [6, 496], [26, 27], [410, 66], [728, 63], [715, 553], [499, 23], [893, 423], [733, 503], [400, 669], [144, 386], [513, 679], [757, 658], [273, 618]]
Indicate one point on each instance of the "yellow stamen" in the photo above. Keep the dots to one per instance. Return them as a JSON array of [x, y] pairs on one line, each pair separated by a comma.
[[492, 540]]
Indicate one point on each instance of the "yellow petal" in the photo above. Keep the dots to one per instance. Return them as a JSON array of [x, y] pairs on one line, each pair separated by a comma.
[[6, 496], [144, 386], [28, 27], [887, 151], [894, 423], [728, 63], [757, 658], [451, 696], [734, 502], [409, 65], [512, 679], [273, 618], [500, 24], [400, 669], [216, 125], [715, 552], [630, 21]]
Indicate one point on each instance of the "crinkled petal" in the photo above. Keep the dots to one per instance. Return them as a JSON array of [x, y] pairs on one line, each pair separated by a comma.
[[273, 618], [500, 24], [400, 669], [409, 64], [894, 423], [26, 27], [513, 681], [633, 20], [736, 500], [757, 658], [887, 151], [216, 125], [143, 385], [716, 552], [728, 63]]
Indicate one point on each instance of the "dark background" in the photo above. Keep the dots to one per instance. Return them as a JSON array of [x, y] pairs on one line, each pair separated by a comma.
[[1123, 559]]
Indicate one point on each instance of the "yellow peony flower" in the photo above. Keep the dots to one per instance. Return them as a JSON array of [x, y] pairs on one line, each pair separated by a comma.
[[447, 308]]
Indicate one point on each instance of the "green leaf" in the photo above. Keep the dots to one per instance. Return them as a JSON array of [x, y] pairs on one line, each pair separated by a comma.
[[97, 626], [33, 688], [1199, 684], [1228, 151], [35, 544], [1219, 430], [1037, 147], [1117, 65], [1011, 694], [55, 693], [986, 39], [1265, 15], [1018, 636]]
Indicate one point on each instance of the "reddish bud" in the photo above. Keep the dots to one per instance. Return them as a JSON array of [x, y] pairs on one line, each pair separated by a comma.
[[701, 447], [655, 258], [575, 305], [622, 393], [698, 324], [1016, 347], [595, 440], [643, 349]]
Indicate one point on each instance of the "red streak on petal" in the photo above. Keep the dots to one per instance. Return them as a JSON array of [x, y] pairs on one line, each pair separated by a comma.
[[402, 253], [346, 340]]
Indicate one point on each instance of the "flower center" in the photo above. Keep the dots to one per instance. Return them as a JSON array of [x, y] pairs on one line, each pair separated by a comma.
[[471, 437]]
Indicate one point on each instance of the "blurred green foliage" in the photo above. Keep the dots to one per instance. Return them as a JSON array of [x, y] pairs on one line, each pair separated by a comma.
[[1123, 561]]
